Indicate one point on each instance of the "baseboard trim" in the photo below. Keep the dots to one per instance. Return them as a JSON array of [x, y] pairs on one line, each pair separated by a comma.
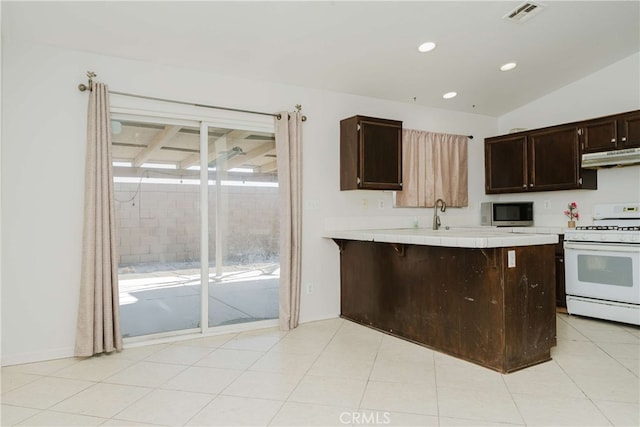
[[38, 356]]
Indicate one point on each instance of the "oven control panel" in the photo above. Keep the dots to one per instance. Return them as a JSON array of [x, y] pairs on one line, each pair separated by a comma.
[[617, 210]]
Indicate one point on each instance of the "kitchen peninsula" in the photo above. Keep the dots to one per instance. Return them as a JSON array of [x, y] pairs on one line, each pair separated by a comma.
[[484, 296]]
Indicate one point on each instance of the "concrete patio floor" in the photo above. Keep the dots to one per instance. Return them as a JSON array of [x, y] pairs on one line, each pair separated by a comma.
[[155, 300]]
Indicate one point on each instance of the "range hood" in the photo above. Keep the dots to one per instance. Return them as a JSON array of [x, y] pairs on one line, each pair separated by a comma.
[[626, 157]]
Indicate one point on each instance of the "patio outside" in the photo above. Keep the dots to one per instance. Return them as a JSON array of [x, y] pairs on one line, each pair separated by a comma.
[[157, 298], [157, 188]]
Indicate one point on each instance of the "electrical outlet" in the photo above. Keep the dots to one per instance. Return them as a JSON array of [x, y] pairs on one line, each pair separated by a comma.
[[365, 203], [547, 204], [380, 204], [309, 288], [511, 259]]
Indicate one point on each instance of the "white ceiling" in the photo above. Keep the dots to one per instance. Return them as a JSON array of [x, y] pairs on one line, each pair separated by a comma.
[[363, 48]]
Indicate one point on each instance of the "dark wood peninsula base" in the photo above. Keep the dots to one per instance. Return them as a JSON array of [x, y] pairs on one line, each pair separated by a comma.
[[466, 302]]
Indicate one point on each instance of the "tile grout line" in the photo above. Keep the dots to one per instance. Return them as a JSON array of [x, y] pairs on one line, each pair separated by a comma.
[[435, 383], [506, 385], [305, 374], [220, 393], [159, 387], [573, 380], [366, 386], [48, 408], [335, 333]]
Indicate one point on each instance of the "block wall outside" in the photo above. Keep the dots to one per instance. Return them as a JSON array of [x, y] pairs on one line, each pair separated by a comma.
[[161, 224]]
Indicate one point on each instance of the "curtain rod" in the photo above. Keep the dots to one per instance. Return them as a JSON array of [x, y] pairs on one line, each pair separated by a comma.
[[455, 134], [90, 74]]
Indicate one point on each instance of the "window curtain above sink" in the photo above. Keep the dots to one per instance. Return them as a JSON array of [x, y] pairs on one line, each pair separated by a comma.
[[434, 166]]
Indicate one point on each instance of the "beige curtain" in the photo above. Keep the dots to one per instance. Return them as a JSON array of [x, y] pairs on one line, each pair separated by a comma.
[[434, 167], [289, 155], [98, 328]]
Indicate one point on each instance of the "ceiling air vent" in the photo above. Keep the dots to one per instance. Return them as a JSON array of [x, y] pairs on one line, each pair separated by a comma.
[[523, 12]]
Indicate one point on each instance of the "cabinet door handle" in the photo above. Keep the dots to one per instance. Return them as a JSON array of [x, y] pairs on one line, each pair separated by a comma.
[[613, 140], [530, 185], [524, 185], [624, 138]]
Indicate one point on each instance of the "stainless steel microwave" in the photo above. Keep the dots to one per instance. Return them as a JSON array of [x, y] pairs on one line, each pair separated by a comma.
[[506, 214]]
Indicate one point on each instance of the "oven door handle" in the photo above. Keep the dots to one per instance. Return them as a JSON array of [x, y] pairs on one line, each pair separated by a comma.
[[602, 247]]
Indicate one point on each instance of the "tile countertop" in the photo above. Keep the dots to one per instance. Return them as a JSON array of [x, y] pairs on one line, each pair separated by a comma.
[[536, 230], [473, 237]]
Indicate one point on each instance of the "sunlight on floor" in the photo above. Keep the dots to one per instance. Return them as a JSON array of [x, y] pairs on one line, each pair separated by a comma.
[[154, 300]]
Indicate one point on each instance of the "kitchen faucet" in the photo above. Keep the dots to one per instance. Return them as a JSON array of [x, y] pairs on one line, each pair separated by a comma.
[[436, 219]]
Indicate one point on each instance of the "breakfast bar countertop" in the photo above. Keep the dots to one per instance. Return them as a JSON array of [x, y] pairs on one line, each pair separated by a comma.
[[473, 237]]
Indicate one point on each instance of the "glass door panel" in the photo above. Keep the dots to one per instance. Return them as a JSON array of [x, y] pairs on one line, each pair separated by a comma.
[[156, 187], [244, 253]]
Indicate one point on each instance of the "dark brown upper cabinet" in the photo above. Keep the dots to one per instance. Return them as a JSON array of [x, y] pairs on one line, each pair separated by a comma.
[[610, 133], [550, 158], [629, 129], [370, 154], [506, 165], [540, 160], [598, 135], [555, 159]]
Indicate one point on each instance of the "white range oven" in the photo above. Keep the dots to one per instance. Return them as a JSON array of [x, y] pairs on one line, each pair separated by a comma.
[[602, 265]]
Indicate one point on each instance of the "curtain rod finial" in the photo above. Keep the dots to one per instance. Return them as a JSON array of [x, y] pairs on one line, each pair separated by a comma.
[[299, 109], [82, 87]]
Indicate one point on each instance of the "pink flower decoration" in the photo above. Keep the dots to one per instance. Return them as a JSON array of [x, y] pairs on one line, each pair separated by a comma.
[[572, 212]]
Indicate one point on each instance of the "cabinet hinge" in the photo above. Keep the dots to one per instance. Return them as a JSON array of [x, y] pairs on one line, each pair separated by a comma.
[[579, 131], [358, 127], [580, 181], [358, 180]]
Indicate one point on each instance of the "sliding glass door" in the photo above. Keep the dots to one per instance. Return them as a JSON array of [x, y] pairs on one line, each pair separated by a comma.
[[243, 228], [161, 197], [158, 228]]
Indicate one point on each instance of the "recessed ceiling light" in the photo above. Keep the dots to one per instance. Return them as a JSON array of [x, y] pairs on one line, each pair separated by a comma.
[[426, 47], [449, 95], [508, 66]]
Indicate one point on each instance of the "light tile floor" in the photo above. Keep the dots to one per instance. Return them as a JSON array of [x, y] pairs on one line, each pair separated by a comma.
[[332, 372]]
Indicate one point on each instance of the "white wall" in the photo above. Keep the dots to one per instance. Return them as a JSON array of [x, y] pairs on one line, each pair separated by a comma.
[[43, 133], [614, 89], [43, 136]]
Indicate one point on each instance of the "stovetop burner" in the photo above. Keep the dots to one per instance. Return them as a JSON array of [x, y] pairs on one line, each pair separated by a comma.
[[612, 224], [609, 227]]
